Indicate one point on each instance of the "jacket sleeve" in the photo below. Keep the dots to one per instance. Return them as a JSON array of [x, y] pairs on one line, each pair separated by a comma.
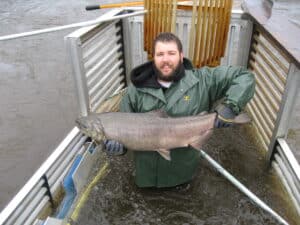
[[127, 103], [235, 84]]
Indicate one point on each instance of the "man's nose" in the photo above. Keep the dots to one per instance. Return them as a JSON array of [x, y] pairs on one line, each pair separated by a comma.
[[165, 58]]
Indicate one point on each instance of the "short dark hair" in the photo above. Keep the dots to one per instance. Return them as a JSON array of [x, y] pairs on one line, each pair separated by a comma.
[[167, 37]]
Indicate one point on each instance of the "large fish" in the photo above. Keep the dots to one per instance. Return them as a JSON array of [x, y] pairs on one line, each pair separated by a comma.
[[152, 131]]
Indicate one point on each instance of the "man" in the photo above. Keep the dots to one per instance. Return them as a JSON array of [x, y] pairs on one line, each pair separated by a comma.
[[170, 82]]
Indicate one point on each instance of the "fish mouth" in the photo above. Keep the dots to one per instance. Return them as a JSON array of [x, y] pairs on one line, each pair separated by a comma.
[[83, 127]]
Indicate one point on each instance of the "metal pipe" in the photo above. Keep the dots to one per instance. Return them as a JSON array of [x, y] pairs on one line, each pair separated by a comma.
[[89, 38], [284, 182], [73, 25], [100, 47], [290, 169], [290, 182], [290, 157], [22, 194], [262, 132], [241, 187], [274, 56]]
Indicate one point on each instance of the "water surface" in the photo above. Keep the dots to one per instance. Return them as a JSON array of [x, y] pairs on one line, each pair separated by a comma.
[[210, 200]]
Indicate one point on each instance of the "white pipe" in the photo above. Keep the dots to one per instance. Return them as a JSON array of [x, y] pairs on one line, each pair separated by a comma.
[[73, 25], [241, 187]]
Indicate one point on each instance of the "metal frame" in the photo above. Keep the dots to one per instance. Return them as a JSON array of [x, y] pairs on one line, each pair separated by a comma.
[[98, 59], [32, 198], [287, 105]]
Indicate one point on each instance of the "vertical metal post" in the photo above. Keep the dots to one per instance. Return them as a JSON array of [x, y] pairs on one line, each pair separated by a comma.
[[74, 49], [127, 46], [286, 108], [48, 192]]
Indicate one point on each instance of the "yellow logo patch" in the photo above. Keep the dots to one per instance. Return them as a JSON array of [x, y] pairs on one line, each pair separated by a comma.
[[186, 98]]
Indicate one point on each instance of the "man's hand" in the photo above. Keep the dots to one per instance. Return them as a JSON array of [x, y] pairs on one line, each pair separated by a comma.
[[113, 147], [225, 117]]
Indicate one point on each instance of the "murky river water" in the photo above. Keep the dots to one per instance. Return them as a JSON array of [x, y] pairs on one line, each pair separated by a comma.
[[210, 200], [38, 103]]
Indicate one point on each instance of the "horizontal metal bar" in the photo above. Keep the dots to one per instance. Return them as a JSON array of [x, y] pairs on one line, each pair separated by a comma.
[[274, 56], [107, 88], [107, 62], [103, 62], [108, 85], [265, 85], [266, 79], [67, 159], [67, 151], [261, 132], [112, 90], [287, 187], [27, 211], [280, 74], [261, 120], [22, 194], [265, 94], [99, 44], [73, 25], [287, 153], [263, 60], [265, 116], [90, 44], [106, 47], [288, 167], [36, 211], [286, 173], [23, 205], [101, 82], [270, 110]]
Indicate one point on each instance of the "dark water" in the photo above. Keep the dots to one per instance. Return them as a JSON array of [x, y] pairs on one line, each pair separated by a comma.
[[210, 200]]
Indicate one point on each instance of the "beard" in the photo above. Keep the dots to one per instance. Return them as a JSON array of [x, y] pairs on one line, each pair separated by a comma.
[[170, 77]]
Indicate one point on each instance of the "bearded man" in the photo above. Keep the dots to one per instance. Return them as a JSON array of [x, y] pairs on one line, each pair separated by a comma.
[[170, 83]]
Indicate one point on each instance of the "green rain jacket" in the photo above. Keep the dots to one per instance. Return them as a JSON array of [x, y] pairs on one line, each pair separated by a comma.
[[194, 91]]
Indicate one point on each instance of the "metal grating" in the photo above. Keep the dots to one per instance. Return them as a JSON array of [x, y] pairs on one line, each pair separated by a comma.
[[103, 63], [288, 169], [237, 43], [271, 67], [97, 56]]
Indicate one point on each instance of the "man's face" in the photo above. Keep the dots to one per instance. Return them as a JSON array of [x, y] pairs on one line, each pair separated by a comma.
[[167, 59]]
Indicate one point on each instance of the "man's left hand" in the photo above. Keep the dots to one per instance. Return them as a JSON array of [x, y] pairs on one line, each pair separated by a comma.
[[225, 117]]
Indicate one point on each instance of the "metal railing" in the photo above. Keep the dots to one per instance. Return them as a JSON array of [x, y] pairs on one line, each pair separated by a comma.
[[44, 184]]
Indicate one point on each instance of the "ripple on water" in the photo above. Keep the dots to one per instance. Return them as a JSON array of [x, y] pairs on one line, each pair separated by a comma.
[[210, 200]]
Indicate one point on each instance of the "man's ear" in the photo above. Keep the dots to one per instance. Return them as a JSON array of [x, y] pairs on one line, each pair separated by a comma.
[[181, 56]]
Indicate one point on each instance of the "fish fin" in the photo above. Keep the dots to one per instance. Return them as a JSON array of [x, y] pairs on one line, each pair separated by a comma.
[[159, 113], [165, 154], [241, 119], [201, 140]]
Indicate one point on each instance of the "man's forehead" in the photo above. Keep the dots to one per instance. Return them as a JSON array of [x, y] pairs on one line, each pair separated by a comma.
[[166, 45]]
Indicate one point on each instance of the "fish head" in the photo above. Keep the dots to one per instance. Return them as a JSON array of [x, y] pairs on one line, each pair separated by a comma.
[[91, 126]]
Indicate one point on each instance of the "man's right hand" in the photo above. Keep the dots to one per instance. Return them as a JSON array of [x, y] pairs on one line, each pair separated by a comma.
[[113, 147]]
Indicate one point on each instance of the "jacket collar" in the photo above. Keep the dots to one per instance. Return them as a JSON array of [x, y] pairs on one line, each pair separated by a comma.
[[145, 74], [175, 92]]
